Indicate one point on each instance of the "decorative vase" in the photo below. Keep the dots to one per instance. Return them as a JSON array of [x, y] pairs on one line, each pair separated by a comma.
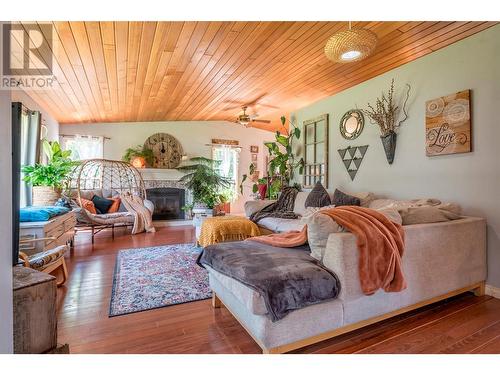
[[45, 195], [389, 143], [262, 189]]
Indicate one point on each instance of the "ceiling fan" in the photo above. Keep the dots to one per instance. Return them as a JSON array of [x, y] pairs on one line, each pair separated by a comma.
[[245, 119]]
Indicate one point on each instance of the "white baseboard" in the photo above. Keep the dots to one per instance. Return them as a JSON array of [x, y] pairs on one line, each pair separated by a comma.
[[492, 291]]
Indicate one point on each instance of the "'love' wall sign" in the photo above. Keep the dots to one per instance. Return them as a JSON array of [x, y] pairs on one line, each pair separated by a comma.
[[447, 124]]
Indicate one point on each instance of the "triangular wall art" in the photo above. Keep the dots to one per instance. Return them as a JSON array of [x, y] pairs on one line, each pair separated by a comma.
[[352, 158]]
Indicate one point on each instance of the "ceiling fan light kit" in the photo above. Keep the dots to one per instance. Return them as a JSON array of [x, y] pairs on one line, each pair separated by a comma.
[[351, 45], [245, 119]]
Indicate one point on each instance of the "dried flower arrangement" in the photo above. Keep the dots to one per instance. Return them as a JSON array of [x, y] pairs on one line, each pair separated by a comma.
[[385, 114]]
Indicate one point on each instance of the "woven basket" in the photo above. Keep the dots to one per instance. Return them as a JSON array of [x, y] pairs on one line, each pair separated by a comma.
[[45, 195]]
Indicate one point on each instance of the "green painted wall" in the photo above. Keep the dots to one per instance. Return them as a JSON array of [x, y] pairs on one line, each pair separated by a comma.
[[472, 179]]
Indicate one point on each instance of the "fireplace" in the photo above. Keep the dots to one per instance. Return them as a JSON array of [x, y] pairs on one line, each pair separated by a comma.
[[168, 202]]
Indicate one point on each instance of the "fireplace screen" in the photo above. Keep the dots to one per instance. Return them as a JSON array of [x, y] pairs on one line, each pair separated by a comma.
[[168, 203]]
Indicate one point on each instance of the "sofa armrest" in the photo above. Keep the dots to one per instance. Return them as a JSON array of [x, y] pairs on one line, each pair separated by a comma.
[[341, 256], [253, 206]]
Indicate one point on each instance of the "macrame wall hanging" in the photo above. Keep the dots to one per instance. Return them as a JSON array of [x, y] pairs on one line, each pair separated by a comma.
[[352, 158]]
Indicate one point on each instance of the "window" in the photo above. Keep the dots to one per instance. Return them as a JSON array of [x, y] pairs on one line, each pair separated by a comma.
[[316, 151], [229, 157], [83, 147]]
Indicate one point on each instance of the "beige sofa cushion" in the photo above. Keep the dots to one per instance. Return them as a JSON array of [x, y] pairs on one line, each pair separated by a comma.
[[252, 207], [365, 197], [378, 204], [320, 226], [279, 225], [430, 214], [300, 202]]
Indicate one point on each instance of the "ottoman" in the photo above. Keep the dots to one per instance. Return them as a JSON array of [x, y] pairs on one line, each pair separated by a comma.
[[226, 228]]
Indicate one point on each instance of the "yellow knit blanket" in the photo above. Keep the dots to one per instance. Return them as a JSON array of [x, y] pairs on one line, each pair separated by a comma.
[[226, 228]]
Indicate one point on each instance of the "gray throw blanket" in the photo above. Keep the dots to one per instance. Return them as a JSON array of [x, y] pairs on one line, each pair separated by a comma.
[[287, 278], [282, 208]]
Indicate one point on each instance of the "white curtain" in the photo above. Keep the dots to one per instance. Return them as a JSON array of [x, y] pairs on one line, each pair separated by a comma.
[[30, 140], [83, 146], [229, 157]]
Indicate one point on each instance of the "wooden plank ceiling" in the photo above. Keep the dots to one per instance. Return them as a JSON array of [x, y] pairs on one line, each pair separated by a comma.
[[158, 71]]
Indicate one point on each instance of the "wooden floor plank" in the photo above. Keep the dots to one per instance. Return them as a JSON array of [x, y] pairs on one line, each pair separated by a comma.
[[464, 324]]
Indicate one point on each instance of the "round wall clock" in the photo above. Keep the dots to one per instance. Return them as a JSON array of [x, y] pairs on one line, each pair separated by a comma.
[[167, 150]]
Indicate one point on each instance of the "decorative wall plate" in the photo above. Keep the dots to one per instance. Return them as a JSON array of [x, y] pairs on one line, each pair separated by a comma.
[[352, 158], [166, 149]]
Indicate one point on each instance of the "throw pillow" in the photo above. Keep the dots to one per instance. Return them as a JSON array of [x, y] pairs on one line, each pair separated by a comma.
[[88, 205], [319, 228], [343, 199], [318, 197], [115, 206], [102, 205]]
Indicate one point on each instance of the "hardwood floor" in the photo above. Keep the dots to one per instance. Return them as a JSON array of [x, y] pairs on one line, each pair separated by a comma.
[[464, 324]]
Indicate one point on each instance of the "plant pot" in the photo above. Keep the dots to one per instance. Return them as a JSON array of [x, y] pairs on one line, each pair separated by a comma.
[[222, 209], [45, 195], [389, 143], [262, 189]]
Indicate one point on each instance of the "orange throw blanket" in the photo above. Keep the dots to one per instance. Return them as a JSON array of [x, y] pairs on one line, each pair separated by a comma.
[[380, 243]]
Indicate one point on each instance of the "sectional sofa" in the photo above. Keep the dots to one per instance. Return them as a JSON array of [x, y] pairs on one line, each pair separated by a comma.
[[441, 259]]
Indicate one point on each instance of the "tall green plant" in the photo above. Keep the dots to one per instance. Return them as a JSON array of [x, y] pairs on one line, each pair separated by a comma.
[[282, 160], [57, 170], [205, 183]]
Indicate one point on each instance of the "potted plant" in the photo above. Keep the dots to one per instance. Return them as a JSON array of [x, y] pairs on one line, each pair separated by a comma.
[[385, 114], [204, 182], [48, 180], [282, 162], [139, 156]]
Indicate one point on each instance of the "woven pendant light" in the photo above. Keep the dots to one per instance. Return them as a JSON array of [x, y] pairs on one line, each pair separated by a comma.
[[350, 45]]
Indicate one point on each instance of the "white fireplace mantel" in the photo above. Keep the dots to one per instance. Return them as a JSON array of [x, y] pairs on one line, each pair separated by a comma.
[[157, 174]]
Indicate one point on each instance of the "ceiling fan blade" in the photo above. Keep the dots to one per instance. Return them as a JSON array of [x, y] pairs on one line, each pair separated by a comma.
[[268, 106], [257, 99], [263, 121]]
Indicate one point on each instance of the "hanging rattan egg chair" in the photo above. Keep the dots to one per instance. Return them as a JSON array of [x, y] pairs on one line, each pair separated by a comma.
[[107, 179], [110, 177]]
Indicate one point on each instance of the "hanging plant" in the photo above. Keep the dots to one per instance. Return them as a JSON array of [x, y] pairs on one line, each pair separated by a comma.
[[385, 113]]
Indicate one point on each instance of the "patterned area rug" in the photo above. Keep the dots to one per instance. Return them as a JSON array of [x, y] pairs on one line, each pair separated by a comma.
[[152, 277]]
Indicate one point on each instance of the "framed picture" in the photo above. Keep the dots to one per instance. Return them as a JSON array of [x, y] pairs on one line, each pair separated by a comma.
[[254, 158], [448, 125], [254, 149]]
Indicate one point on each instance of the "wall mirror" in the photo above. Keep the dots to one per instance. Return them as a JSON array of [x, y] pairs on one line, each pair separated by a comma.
[[352, 124], [316, 151]]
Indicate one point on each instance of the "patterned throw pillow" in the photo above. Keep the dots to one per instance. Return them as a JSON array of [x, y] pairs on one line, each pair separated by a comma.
[[343, 199], [318, 197], [88, 205]]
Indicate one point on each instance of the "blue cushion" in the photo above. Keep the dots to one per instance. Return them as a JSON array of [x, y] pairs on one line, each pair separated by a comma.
[[41, 213]]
